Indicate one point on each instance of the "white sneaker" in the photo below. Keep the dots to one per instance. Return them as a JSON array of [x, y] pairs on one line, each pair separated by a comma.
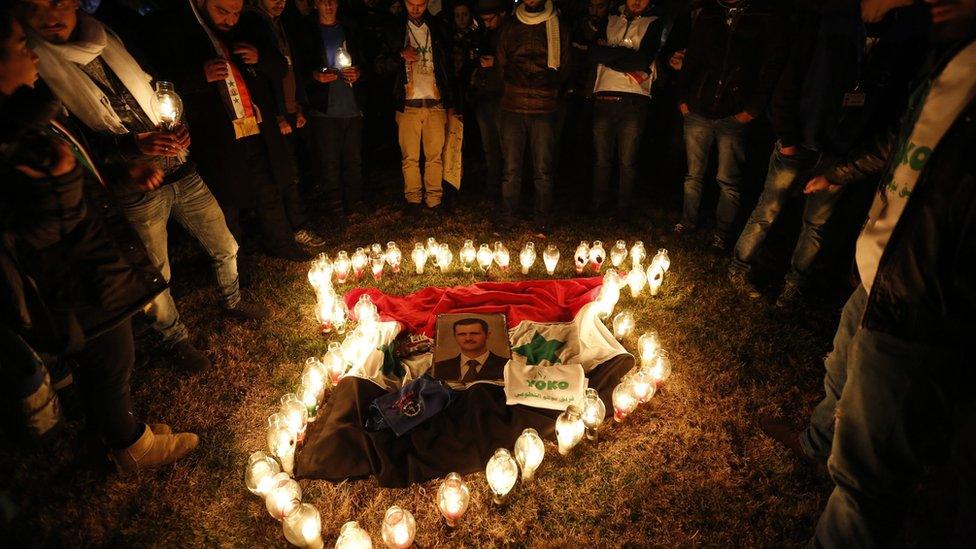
[[309, 238]]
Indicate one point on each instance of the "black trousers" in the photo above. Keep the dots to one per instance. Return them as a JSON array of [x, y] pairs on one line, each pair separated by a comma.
[[339, 144], [104, 373], [276, 230]]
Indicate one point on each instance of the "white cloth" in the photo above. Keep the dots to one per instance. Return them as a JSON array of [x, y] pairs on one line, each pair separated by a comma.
[[620, 34], [549, 17], [550, 387], [951, 91], [421, 83], [60, 67]]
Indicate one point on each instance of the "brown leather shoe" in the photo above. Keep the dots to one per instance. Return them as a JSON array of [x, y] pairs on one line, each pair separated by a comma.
[[153, 450], [780, 431]]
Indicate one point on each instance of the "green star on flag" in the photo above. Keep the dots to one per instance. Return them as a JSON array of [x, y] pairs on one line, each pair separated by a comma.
[[540, 349]]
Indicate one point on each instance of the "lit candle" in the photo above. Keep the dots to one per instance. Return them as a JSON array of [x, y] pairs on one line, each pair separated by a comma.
[[359, 259], [334, 363], [393, 256], [342, 58], [169, 106], [594, 412], [623, 324], [341, 267], [444, 257], [662, 256], [281, 441], [365, 311], [609, 294], [529, 453], [351, 536], [582, 256], [642, 385], [569, 429], [467, 254], [550, 257], [432, 247], [501, 474], [636, 279], [419, 256], [261, 469], [618, 253], [661, 369], [501, 256], [452, 498], [320, 273], [485, 257], [284, 496], [295, 414], [648, 345], [399, 528], [655, 276], [597, 255], [527, 257], [376, 263], [303, 527], [624, 401], [325, 309], [637, 254]]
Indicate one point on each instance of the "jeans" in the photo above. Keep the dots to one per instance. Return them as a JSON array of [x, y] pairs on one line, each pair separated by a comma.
[[617, 130], [487, 113], [339, 145], [190, 201], [729, 134], [105, 368], [539, 131], [785, 174], [819, 435], [894, 418], [428, 127]]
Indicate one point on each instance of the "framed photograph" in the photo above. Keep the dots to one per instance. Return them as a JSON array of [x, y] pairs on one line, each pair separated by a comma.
[[470, 348]]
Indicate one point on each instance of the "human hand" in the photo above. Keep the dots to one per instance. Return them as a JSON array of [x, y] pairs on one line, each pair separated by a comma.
[[789, 150], [683, 107], [300, 120], [216, 69], [743, 117], [64, 162], [159, 143], [182, 136], [283, 126], [819, 184], [677, 60], [326, 76], [247, 52], [409, 53], [146, 177], [487, 61], [350, 75]]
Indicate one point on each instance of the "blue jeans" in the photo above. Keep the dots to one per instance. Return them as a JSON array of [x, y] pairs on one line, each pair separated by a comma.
[[894, 417], [539, 131], [785, 174], [190, 201], [729, 134], [617, 130], [487, 112]]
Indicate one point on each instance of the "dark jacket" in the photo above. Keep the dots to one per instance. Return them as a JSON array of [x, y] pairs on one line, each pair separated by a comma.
[[70, 272], [443, 65], [312, 57], [450, 370], [925, 288], [283, 26], [181, 48], [835, 91], [734, 58], [530, 86], [486, 83], [623, 59]]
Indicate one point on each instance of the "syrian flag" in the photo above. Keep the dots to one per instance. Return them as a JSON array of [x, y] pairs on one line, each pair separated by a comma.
[[555, 333]]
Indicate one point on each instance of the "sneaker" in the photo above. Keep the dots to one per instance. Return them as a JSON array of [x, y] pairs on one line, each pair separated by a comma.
[[740, 281], [188, 358], [309, 238], [245, 310], [778, 430], [681, 228], [790, 297], [719, 243]]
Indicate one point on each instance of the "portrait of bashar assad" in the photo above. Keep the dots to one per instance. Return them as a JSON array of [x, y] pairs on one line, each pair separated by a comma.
[[475, 361]]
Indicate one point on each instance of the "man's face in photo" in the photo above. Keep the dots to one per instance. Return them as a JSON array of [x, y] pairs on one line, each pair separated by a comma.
[[471, 338]]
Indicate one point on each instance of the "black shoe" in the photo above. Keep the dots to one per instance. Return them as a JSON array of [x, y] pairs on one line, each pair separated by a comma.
[[413, 209], [541, 231], [719, 244], [247, 311], [778, 430], [289, 252], [740, 281], [188, 358], [790, 297]]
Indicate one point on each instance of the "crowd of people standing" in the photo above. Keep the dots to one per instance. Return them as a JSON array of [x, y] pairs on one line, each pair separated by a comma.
[[277, 94]]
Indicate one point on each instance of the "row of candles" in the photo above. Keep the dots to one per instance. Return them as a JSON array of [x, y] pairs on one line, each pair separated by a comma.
[[332, 313]]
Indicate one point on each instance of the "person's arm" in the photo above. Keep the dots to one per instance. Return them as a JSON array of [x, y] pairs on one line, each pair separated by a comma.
[[53, 201], [785, 103], [629, 60], [864, 162]]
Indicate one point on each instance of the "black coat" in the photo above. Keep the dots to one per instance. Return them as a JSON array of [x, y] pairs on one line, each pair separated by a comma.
[[310, 56], [443, 64], [734, 58], [70, 271], [450, 369], [181, 48]]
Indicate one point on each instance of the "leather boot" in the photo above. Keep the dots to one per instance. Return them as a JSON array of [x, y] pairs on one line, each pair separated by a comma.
[[153, 450]]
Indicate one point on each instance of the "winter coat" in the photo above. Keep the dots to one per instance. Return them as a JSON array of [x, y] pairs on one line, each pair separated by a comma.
[[73, 271], [734, 58], [182, 47], [486, 83], [530, 86], [614, 62], [443, 65], [925, 288], [309, 42]]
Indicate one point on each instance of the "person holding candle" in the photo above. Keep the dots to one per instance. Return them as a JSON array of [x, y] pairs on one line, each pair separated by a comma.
[[149, 175], [72, 278], [330, 71]]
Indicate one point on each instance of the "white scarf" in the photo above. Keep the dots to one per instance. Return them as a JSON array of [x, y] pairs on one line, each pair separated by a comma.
[[60, 66], [549, 17]]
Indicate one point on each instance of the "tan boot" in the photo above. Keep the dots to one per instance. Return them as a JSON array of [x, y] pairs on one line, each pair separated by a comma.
[[153, 450], [160, 429]]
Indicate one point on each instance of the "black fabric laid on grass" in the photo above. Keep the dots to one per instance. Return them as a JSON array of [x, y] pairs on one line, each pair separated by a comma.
[[461, 438]]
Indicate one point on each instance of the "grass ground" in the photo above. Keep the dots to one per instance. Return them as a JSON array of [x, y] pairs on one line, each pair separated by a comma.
[[690, 468]]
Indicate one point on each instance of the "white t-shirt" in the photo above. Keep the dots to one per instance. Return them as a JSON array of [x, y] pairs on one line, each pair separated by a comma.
[[421, 83], [951, 91]]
